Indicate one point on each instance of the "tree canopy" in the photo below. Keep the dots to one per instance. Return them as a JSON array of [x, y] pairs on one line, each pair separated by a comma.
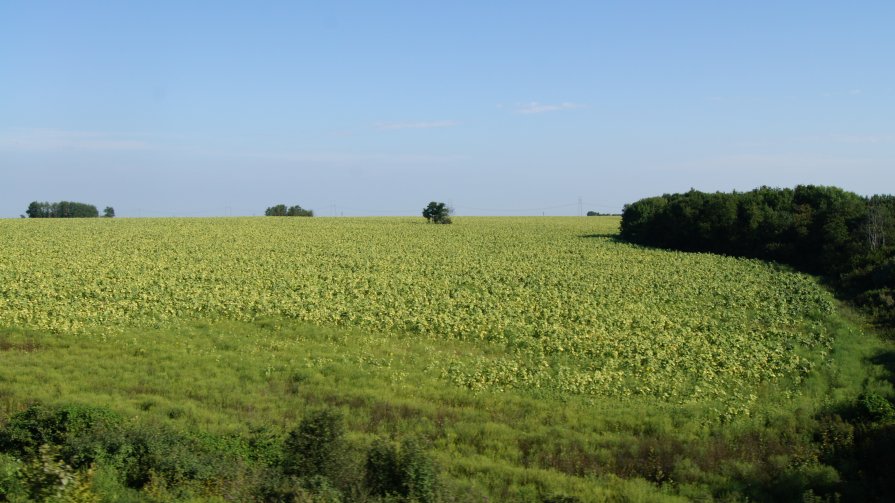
[[62, 209], [437, 213], [281, 210]]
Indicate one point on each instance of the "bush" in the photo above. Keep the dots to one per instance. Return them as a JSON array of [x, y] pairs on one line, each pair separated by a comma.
[[51, 453], [316, 447], [47, 478], [157, 455], [382, 473], [83, 434], [11, 485], [405, 473], [75, 438], [875, 408]]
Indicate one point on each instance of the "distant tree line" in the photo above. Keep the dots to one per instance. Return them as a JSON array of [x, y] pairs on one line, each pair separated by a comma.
[[848, 239], [281, 210], [65, 209], [598, 214]]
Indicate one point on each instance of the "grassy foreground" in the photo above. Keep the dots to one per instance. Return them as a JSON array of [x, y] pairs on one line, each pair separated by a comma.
[[531, 359]]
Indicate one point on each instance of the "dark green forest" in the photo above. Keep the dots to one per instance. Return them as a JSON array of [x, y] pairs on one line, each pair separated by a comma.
[[847, 239]]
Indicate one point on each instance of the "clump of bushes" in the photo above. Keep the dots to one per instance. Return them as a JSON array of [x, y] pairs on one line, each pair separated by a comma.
[[80, 438], [53, 453]]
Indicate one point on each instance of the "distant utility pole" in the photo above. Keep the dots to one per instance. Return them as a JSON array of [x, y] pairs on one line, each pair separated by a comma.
[[580, 207]]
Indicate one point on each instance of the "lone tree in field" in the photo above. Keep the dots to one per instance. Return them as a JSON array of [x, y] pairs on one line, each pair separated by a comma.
[[109, 212], [437, 213]]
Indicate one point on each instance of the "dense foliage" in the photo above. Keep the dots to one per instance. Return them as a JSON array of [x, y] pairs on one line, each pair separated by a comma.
[[437, 213], [53, 453], [280, 210], [62, 209], [822, 230]]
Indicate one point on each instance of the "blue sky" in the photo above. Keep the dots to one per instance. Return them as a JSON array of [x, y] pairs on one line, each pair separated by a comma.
[[376, 108]]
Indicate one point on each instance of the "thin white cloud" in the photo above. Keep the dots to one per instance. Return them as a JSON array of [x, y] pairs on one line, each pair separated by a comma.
[[392, 126], [535, 107], [55, 139]]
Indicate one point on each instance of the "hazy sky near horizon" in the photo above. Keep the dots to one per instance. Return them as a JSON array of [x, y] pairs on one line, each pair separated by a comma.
[[172, 108]]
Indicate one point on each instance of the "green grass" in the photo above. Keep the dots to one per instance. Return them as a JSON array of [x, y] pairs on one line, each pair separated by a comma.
[[229, 378], [558, 306], [224, 380]]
